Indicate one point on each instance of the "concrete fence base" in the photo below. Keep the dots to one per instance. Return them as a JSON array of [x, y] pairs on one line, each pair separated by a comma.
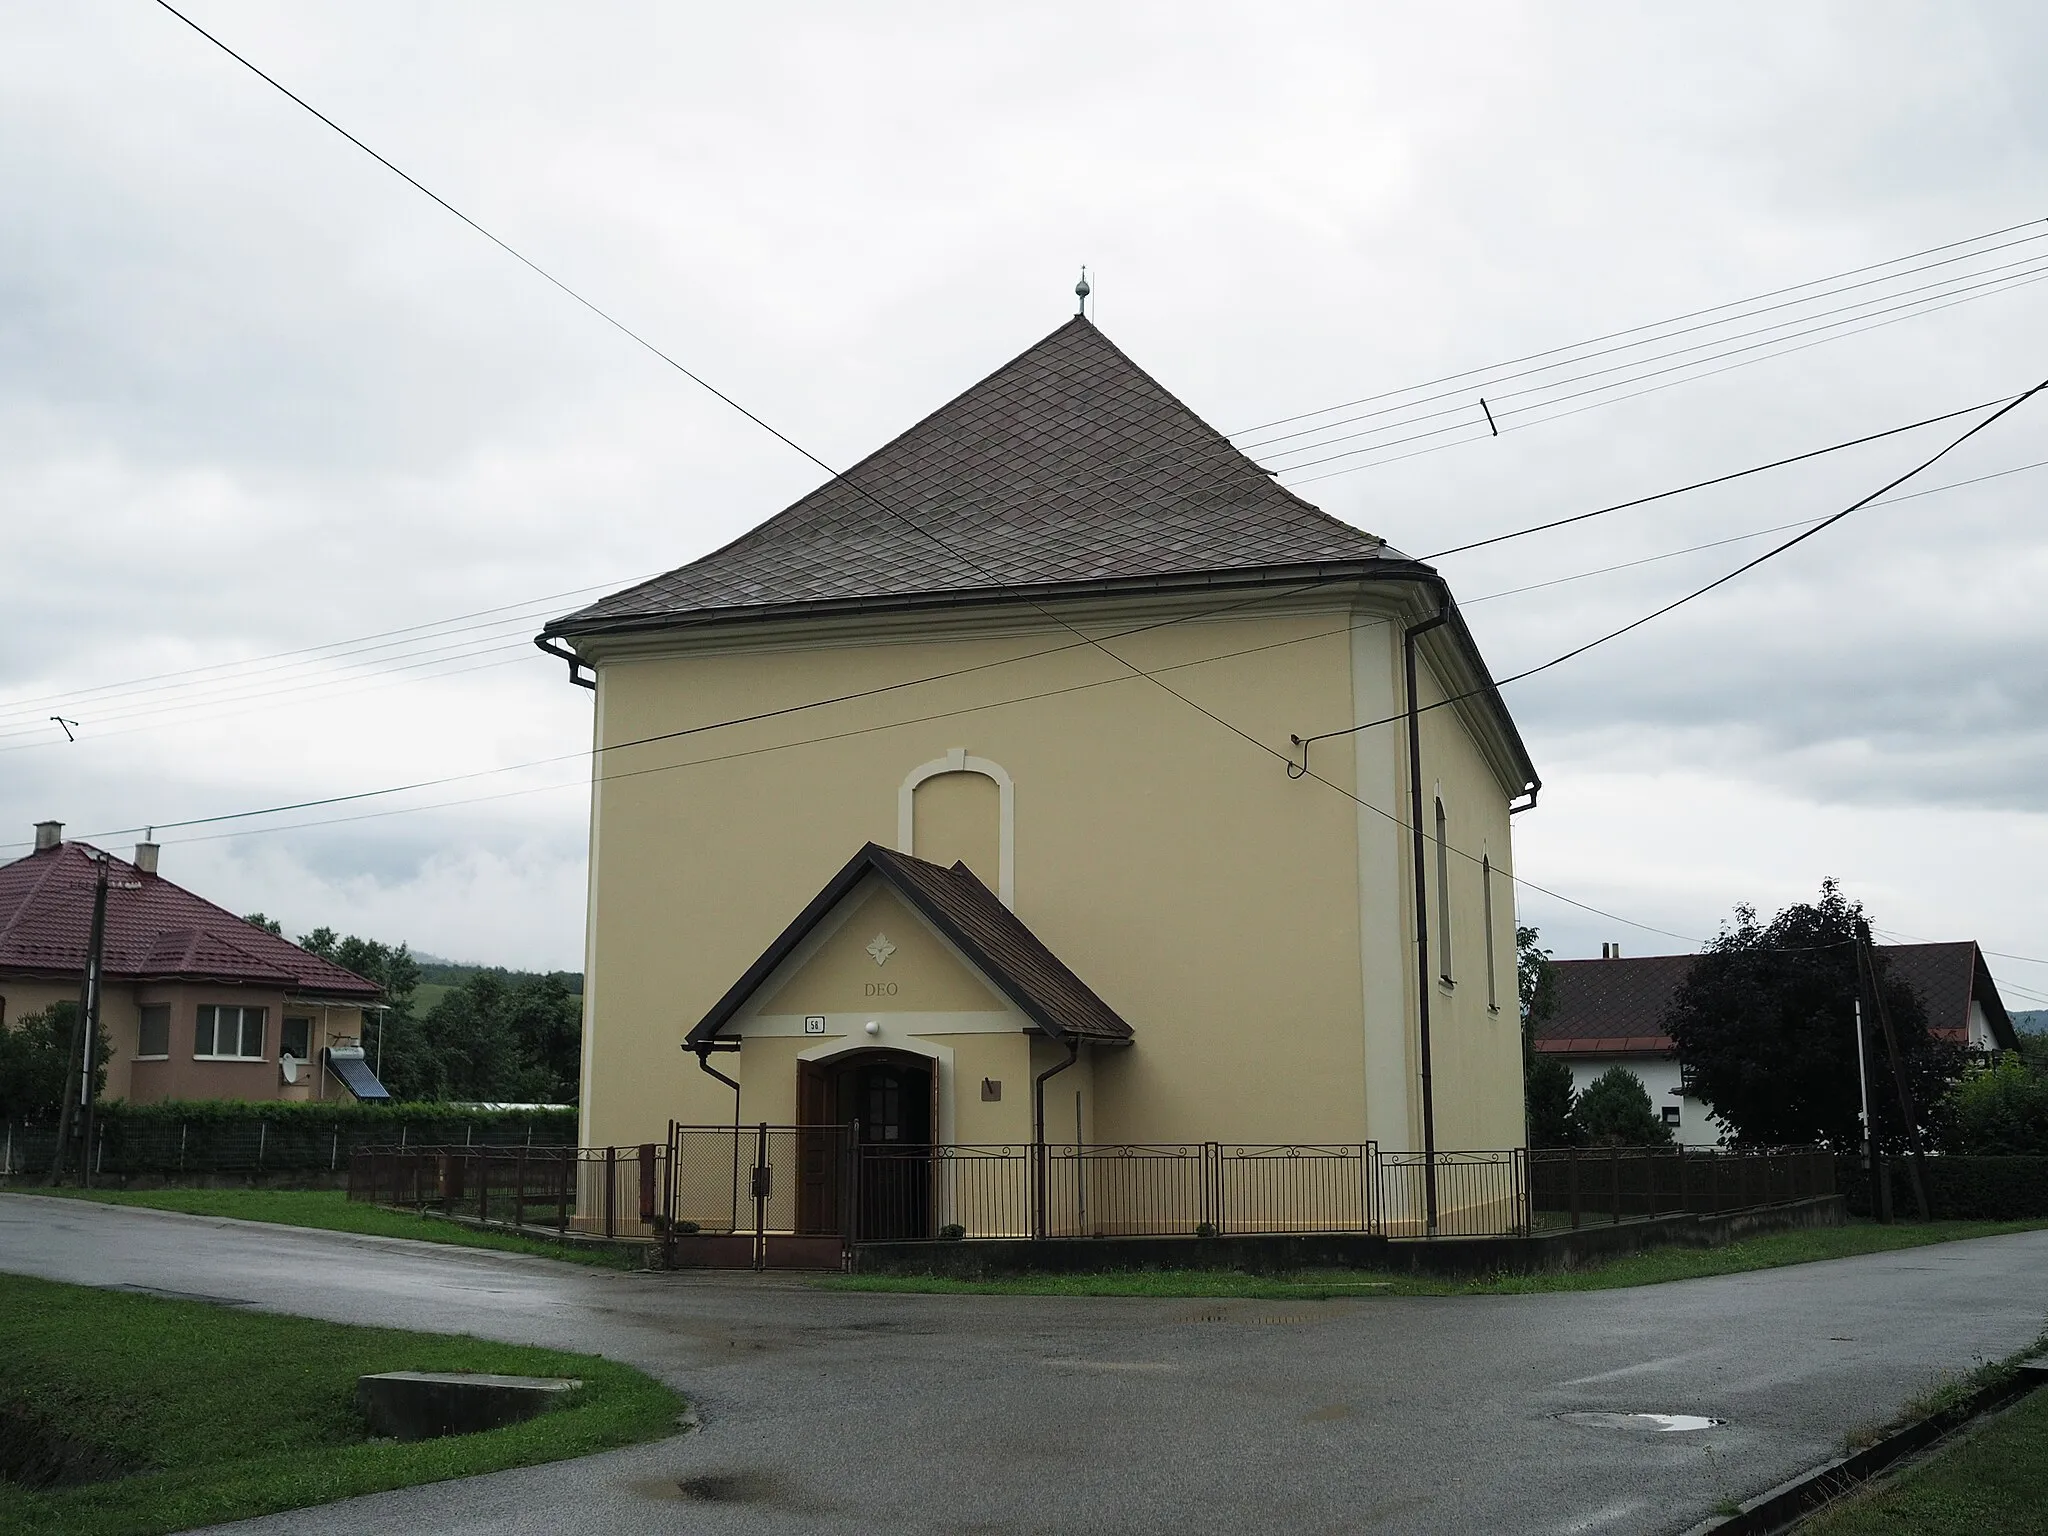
[[987, 1258]]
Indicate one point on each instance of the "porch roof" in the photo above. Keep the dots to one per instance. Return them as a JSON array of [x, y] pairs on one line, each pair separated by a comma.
[[995, 941]]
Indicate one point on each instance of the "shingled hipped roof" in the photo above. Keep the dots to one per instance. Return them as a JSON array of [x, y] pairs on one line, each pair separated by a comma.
[[1068, 468], [974, 921], [155, 931], [1617, 1007]]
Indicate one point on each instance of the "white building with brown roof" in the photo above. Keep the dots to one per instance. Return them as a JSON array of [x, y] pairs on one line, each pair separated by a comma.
[[1037, 669], [1610, 1013]]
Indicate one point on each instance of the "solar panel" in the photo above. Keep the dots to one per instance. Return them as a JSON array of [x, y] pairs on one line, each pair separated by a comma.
[[356, 1074]]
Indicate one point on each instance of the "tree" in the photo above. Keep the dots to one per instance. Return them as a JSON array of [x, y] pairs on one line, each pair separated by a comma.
[[1765, 1024], [1546, 1081], [269, 925], [1615, 1111], [1998, 1109], [37, 1067]]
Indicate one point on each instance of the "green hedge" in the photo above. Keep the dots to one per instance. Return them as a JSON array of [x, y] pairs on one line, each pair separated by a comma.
[[226, 1136], [1959, 1187]]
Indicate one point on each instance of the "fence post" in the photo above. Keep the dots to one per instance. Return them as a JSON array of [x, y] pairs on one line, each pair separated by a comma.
[[1684, 1193], [334, 1152], [1572, 1162], [611, 1191], [519, 1192], [646, 1183], [483, 1185], [181, 1146], [1614, 1181], [568, 1164]]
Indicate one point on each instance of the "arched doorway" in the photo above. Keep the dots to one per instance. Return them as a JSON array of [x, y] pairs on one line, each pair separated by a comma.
[[887, 1102]]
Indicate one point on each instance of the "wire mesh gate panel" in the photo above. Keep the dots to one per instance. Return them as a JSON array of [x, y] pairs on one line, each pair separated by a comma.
[[759, 1196]]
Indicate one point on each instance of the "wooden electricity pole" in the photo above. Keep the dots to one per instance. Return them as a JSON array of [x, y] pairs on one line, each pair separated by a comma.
[[75, 1115], [1867, 965]]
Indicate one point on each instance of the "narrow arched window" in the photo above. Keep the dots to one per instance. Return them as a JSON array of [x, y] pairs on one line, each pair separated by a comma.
[[1486, 922], [1443, 892]]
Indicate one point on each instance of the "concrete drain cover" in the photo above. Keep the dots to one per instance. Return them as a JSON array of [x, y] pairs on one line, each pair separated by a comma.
[[1663, 1423]]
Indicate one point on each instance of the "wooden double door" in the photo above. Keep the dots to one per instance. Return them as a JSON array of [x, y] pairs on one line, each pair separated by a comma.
[[867, 1165]]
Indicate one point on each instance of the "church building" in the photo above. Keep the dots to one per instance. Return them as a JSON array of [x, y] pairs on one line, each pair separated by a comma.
[[966, 799]]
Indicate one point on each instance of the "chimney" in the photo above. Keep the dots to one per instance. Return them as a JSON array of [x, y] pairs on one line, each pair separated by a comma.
[[1610, 951], [145, 858], [49, 834]]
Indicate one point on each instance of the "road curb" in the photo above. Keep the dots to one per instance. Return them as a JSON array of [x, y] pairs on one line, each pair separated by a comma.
[[1782, 1507]]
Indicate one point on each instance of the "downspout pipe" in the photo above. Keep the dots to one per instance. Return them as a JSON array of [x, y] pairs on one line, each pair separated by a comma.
[[703, 1051], [1418, 857], [1038, 1133]]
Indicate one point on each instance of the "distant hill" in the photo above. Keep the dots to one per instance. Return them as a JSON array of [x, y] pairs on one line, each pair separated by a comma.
[[2034, 1021], [439, 977]]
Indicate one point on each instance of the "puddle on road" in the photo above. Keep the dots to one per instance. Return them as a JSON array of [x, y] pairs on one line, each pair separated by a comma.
[[1662, 1423]]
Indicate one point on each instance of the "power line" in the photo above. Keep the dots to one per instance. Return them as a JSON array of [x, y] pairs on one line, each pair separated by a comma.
[[1712, 480], [1614, 634], [1950, 287], [1648, 389], [72, 696], [1907, 311], [858, 489], [1755, 533], [1490, 368]]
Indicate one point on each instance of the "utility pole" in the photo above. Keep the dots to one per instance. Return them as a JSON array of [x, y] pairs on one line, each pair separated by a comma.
[[1863, 1089], [76, 1114], [1868, 966]]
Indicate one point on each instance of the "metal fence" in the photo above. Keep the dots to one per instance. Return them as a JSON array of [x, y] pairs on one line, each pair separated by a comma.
[[819, 1180], [1454, 1194], [613, 1192], [765, 1195], [1575, 1185], [295, 1144]]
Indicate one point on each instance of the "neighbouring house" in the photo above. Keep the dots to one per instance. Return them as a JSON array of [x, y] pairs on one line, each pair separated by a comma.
[[1610, 1012], [889, 827], [198, 1003]]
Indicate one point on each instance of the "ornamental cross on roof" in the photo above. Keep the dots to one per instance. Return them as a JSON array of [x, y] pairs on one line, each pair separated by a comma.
[[1067, 469]]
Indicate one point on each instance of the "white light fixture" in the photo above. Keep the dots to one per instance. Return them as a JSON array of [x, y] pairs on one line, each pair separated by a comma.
[[873, 1027]]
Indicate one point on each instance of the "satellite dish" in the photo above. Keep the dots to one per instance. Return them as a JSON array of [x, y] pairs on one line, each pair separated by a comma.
[[289, 1066]]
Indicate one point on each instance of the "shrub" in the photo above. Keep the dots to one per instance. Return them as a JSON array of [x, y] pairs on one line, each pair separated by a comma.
[[952, 1232], [1615, 1111]]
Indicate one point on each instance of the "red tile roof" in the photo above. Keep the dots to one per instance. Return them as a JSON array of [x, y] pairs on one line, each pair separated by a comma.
[[1617, 1007], [155, 930]]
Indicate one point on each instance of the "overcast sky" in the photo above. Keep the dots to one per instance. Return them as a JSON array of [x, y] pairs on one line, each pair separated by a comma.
[[257, 395]]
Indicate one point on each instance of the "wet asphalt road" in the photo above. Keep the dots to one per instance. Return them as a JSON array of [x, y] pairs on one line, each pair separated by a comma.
[[826, 1411]]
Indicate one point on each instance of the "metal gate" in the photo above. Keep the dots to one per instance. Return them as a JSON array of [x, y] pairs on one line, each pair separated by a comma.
[[758, 1197]]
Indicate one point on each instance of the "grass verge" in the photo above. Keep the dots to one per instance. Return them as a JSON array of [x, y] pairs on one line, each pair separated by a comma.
[[332, 1210], [1991, 1482], [1652, 1268], [218, 1414]]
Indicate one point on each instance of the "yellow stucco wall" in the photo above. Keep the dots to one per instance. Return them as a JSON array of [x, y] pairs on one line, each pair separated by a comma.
[[1251, 927]]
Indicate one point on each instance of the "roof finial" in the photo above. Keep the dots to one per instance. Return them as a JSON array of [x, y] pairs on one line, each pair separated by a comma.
[[1081, 292]]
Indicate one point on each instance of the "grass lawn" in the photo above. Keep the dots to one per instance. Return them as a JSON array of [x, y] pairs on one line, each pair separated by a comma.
[[333, 1210], [1650, 1268], [214, 1413], [1993, 1483]]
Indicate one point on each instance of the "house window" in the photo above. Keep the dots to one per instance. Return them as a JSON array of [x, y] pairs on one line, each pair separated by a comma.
[[1671, 1114], [1486, 917], [1443, 894], [228, 1033], [295, 1039], [153, 1041]]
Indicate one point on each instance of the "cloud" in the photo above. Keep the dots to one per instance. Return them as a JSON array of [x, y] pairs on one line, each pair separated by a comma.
[[257, 395]]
